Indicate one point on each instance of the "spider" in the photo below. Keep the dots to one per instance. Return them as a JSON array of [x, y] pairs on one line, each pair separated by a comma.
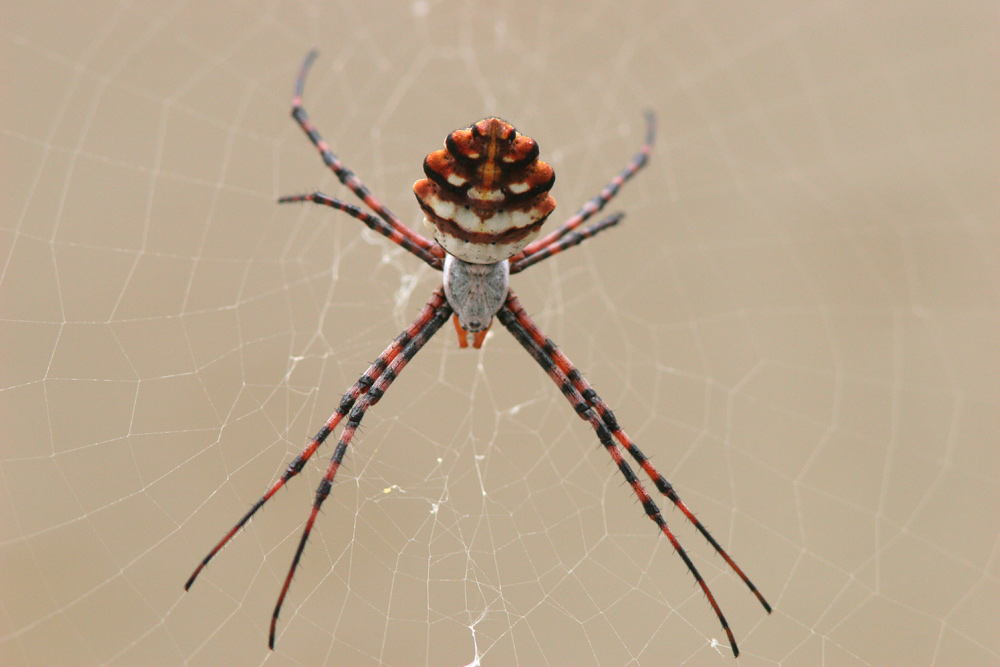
[[484, 198]]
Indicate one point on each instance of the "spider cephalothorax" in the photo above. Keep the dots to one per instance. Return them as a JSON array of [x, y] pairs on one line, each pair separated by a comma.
[[486, 197], [486, 194]]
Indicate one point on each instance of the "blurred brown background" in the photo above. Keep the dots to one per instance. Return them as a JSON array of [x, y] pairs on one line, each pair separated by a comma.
[[799, 322]]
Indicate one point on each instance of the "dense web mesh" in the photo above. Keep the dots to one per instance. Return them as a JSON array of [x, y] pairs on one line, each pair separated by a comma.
[[797, 320]]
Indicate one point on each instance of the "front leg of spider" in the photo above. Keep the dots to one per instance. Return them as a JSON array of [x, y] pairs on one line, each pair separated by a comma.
[[485, 197]]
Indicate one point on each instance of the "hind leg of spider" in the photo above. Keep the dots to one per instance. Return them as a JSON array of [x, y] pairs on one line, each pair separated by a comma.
[[542, 354], [598, 202], [570, 240], [435, 259], [359, 388], [345, 175], [440, 313]]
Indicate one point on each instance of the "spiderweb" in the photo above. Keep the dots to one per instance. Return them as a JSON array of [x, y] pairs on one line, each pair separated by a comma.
[[798, 321]]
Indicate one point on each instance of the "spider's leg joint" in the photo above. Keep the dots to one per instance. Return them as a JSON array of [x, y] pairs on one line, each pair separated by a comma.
[[345, 174], [610, 421], [295, 467], [375, 393], [664, 487], [647, 503], [348, 400], [650, 507], [367, 381]]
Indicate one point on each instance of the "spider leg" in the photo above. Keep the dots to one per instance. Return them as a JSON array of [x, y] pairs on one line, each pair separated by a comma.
[[583, 387], [545, 353], [568, 241], [376, 224], [346, 176], [598, 202], [362, 386], [440, 312]]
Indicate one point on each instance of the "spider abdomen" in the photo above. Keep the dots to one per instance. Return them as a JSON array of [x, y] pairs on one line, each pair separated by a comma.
[[486, 194], [475, 291]]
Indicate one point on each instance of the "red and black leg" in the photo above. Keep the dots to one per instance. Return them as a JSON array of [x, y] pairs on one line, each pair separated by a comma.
[[376, 224], [583, 387], [597, 203], [348, 177], [411, 341], [568, 241], [427, 315], [591, 408]]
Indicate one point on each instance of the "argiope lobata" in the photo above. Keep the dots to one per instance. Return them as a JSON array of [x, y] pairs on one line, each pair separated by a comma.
[[485, 198]]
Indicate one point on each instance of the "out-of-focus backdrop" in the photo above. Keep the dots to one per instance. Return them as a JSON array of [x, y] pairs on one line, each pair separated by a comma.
[[798, 321]]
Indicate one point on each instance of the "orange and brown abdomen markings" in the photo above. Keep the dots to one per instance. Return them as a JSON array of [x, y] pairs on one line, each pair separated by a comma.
[[486, 194]]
